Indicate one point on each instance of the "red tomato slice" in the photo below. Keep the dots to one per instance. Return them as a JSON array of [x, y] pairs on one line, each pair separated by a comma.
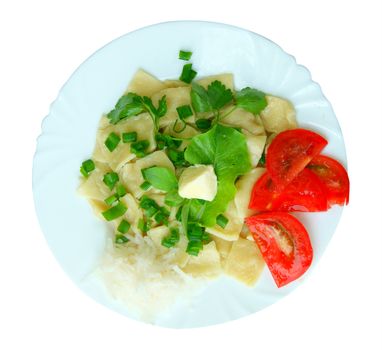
[[334, 177], [284, 244], [305, 193], [290, 152]]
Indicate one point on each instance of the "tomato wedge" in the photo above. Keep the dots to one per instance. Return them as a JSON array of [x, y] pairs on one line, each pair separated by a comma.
[[334, 178], [305, 193], [290, 152], [284, 244]]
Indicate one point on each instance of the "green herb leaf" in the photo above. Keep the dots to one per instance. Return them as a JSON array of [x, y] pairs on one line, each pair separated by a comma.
[[172, 199], [160, 178], [214, 98], [155, 113], [124, 226], [110, 179], [226, 149], [114, 212], [145, 186], [252, 100], [185, 55], [112, 141], [188, 74], [127, 106], [129, 137], [184, 112]]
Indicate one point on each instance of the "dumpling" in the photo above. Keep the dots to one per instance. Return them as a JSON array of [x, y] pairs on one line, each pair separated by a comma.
[[225, 79], [174, 83], [206, 264], [141, 124], [223, 247], [244, 188], [255, 145], [279, 115], [131, 174], [244, 262], [233, 228], [133, 213], [144, 84], [243, 119], [175, 97]]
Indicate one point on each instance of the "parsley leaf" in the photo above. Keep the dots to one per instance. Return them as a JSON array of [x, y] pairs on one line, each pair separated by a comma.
[[215, 97], [251, 100], [127, 106]]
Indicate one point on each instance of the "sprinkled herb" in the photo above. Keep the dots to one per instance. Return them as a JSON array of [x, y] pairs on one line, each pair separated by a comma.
[[185, 55], [129, 137], [110, 179], [114, 212], [112, 141], [188, 74]]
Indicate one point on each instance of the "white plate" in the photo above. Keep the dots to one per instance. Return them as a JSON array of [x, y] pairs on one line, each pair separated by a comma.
[[77, 237]]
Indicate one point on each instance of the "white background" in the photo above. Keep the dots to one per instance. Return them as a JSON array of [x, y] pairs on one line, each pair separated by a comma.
[[339, 307]]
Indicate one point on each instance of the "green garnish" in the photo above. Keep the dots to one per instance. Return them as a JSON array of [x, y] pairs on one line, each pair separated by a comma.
[[203, 124], [120, 239], [162, 216], [173, 199], [161, 178], [129, 137], [262, 160], [132, 104], [215, 97], [139, 148], [143, 226], [111, 199], [252, 100], [168, 141], [124, 226], [87, 167], [184, 112], [172, 239], [127, 106], [112, 141], [226, 149], [145, 186], [188, 74], [114, 212], [197, 236], [177, 158], [222, 221], [120, 190], [185, 55], [194, 247], [110, 179]]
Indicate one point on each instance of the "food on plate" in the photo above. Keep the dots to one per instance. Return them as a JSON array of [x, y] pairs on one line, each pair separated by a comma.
[[196, 179]]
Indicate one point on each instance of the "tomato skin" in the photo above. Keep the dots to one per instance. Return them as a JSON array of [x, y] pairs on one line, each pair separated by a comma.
[[290, 152], [334, 178], [305, 193], [286, 261]]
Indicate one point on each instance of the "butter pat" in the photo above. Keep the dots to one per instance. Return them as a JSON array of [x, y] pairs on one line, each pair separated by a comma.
[[198, 181]]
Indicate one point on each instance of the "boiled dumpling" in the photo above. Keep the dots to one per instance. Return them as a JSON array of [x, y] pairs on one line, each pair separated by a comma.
[[243, 119], [255, 145], [144, 84]]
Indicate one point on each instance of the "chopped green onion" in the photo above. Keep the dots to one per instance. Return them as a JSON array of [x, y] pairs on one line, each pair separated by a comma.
[[188, 74], [203, 124], [150, 212], [121, 190], [123, 226], [110, 179], [172, 199], [120, 239], [114, 212], [129, 136], [161, 218], [143, 226], [185, 55], [112, 141], [111, 200], [139, 148], [184, 112], [177, 157], [222, 221], [145, 186], [87, 167], [178, 215], [172, 239], [194, 247]]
